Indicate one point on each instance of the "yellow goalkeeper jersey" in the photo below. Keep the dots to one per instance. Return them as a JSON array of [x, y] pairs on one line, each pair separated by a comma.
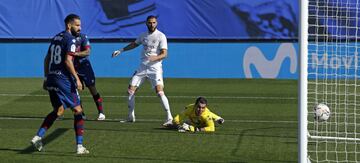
[[205, 120]]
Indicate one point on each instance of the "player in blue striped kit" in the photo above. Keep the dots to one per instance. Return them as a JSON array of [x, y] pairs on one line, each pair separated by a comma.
[[85, 71], [62, 82]]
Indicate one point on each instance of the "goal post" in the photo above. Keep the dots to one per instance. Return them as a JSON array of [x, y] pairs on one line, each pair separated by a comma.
[[329, 71], [303, 57]]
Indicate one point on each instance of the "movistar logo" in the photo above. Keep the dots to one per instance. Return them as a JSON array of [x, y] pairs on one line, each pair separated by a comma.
[[269, 68], [333, 61]]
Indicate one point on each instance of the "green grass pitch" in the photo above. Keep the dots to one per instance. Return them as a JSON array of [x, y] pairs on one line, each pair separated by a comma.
[[260, 123]]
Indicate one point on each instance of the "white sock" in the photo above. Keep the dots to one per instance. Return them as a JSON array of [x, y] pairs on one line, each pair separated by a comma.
[[165, 104], [131, 105]]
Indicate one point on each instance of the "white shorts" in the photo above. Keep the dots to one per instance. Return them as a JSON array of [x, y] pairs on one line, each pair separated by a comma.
[[153, 74]]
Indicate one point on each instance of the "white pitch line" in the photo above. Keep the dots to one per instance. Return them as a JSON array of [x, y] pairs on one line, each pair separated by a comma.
[[211, 97], [153, 120]]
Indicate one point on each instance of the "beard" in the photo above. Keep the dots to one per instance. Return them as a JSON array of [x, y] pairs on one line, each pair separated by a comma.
[[75, 33], [152, 29]]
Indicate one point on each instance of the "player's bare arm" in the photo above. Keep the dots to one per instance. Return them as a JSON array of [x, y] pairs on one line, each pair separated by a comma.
[[83, 53], [162, 55], [70, 66], [130, 46]]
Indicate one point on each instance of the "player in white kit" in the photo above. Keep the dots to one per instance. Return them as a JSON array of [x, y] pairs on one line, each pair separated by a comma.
[[154, 51]]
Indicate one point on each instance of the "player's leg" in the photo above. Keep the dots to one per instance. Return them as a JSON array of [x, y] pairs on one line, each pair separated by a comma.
[[131, 103], [165, 103], [79, 130], [137, 79], [156, 80], [98, 101], [81, 77], [88, 76], [58, 110], [71, 99]]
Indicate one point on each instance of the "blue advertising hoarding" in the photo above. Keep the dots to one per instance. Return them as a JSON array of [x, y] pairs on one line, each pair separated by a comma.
[[333, 60], [185, 60]]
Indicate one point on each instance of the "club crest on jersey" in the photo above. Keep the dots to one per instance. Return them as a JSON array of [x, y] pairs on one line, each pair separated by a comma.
[[73, 48]]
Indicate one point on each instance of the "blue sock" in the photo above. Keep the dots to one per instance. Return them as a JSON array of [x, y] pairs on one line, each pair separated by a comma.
[[41, 132], [79, 139], [79, 128]]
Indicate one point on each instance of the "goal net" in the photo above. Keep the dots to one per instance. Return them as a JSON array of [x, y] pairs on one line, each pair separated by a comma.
[[332, 63]]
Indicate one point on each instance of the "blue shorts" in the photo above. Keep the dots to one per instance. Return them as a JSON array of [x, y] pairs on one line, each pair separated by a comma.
[[86, 73], [62, 91]]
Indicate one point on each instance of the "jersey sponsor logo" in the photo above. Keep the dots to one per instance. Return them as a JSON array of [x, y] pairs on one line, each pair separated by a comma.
[[269, 68], [148, 48]]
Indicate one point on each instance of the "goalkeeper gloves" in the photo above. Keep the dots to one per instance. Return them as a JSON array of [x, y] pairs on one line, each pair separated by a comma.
[[220, 121], [117, 52], [186, 127]]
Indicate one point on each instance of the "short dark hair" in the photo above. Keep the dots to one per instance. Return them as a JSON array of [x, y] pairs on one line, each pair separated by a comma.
[[201, 100], [71, 18], [150, 17]]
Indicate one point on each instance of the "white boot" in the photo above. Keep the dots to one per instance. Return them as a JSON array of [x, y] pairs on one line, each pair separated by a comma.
[[81, 150], [130, 119], [36, 142], [101, 117]]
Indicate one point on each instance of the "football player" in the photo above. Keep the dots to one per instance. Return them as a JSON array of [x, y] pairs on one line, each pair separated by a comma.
[[196, 117], [62, 83], [86, 73], [154, 51]]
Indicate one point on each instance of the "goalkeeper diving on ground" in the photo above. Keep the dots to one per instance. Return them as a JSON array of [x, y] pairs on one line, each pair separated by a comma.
[[196, 117]]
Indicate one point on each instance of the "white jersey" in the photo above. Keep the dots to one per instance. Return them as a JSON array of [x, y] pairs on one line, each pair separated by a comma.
[[152, 44]]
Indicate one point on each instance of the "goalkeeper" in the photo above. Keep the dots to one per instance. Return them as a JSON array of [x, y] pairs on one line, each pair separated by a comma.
[[197, 117]]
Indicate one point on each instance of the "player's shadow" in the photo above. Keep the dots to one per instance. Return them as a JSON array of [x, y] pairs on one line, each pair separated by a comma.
[[244, 133], [170, 127], [55, 134]]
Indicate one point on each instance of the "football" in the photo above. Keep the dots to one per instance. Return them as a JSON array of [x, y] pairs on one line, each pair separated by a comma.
[[322, 112]]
